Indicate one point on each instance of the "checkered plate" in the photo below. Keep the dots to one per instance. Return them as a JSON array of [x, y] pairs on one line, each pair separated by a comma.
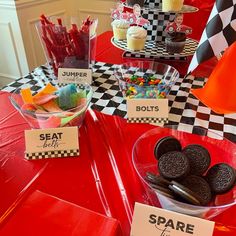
[[157, 49], [185, 8]]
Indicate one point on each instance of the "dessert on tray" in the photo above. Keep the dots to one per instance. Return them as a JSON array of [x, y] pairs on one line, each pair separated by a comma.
[[129, 25], [172, 5], [136, 38], [176, 35], [120, 28]]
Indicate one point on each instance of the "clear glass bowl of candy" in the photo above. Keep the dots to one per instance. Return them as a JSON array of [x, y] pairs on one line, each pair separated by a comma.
[[53, 106], [193, 174], [145, 79]]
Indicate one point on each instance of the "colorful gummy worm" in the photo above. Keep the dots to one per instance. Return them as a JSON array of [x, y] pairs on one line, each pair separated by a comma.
[[145, 87]]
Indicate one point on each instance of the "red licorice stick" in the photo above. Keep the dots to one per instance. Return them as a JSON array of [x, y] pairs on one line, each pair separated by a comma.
[[45, 19], [59, 21], [74, 34], [43, 27], [61, 43]]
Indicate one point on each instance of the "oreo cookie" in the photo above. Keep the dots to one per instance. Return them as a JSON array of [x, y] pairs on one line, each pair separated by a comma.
[[199, 158], [163, 191], [156, 180], [166, 144], [199, 187], [184, 193], [173, 165], [221, 178]]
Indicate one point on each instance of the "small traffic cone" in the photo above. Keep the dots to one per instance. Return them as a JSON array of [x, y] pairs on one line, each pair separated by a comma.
[[219, 93]]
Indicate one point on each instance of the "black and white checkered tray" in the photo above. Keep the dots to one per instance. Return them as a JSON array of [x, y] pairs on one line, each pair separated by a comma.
[[184, 109], [185, 8], [154, 49]]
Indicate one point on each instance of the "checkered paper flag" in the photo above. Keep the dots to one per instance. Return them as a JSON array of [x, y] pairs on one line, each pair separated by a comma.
[[220, 32]]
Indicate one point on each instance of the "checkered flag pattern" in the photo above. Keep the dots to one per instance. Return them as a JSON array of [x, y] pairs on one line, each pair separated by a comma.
[[145, 56], [220, 32], [184, 109], [158, 21], [157, 50], [52, 154], [150, 120], [153, 3]]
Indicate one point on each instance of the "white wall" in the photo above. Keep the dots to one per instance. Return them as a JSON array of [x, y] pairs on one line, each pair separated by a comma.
[[13, 61], [97, 9], [20, 48]]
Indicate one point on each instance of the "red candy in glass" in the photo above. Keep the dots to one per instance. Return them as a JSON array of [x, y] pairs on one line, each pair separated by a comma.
[[66, 48]]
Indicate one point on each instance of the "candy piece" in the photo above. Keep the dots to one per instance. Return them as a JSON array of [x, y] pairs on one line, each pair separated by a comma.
[[28, 107], [81, 101], [147, 86], [52, 106], [26, 95], [51, 122], [40, 100], [67, 97], [48, 89]]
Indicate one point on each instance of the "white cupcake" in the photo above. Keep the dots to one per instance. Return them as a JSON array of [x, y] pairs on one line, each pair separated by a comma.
[[136, 38], [172, 5], [120, 28]]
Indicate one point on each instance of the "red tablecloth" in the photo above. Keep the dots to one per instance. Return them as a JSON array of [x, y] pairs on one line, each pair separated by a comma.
[[102, 178]]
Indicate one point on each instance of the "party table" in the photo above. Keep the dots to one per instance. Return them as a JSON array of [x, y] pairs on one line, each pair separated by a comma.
[[102, 178]]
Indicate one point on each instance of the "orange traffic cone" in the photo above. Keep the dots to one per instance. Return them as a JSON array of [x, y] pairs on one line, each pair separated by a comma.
[[219, 93]]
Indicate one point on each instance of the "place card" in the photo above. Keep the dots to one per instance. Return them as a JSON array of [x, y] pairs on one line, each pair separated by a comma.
[[75, 76], [147, 110], [51, 143], [152, 221]]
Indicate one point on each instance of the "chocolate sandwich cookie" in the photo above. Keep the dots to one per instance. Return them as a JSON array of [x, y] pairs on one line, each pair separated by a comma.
[[184, 193], [173, 165], [166, 144], [156, 179], [165, 191], [221, 178], [199, 187], [199, 158]]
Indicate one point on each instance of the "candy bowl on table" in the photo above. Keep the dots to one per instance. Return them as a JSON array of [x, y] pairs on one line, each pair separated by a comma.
[[67, 44], [53, 106], [145, 79], [219, 172]]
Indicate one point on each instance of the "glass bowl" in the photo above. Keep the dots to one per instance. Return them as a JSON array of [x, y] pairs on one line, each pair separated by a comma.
[[147, 79], [41, 119], [220, 149]]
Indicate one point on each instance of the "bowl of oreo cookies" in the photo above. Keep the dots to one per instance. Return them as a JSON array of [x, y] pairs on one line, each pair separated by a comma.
[[189, 173]]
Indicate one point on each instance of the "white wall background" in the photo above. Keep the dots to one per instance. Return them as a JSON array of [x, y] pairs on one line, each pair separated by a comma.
[[20, 48]]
